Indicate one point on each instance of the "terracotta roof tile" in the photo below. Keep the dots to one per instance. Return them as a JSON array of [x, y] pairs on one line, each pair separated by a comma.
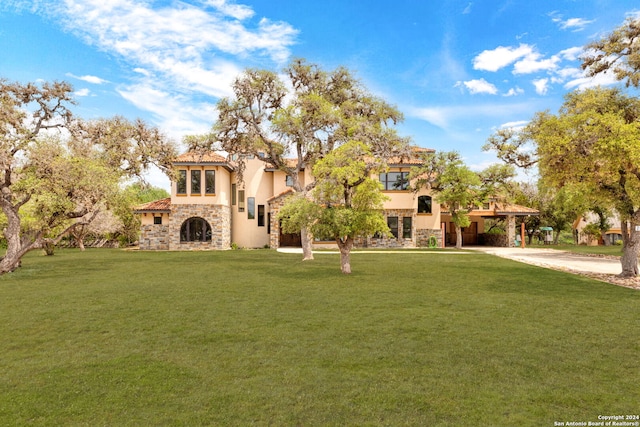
[[197, 157], [156, 205]]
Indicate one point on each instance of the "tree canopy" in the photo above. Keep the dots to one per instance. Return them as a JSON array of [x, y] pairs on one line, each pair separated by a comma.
[[457, 187], [61, 167], [590, 147], [295, 119], [346, 203]]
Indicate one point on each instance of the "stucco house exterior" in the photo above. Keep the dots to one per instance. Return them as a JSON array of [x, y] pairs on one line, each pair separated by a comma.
[[211, 208]]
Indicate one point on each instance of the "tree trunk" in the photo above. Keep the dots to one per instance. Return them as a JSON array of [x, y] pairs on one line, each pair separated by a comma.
[[16, 247], [345, 254], [306, 241], [631, 247], [458, 236], [603, 236], [49, 247]]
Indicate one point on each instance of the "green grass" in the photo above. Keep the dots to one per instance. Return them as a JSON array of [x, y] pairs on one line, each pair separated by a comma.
[[108, 337]]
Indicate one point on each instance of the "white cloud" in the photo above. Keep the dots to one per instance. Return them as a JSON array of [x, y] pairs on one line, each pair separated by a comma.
[[533, 64], [603, 79], [574, 24], [182, 43], [467, 9], [188, 50], [571, 54], [444, 116], [82, 92], [514, 92], [493, 60], [89, 79], [541, 85], [178, 114], [516, 125], [479, 86], [234, 10]]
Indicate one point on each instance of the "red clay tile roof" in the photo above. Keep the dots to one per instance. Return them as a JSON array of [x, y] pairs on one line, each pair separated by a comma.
[[277, 196], [155, 206], [204, 157]]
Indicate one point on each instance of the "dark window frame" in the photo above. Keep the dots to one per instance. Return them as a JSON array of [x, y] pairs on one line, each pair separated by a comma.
[[196, 182], [210, 182], [395, 181], [195, 229], [261, 215], [181, 183], [425, 204], [407, 231], [393, 228]]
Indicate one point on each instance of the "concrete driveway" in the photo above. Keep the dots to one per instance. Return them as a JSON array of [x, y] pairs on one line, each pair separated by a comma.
[[556, 259]]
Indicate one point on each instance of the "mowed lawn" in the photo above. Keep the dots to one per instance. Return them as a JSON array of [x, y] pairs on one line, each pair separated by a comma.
[[117, 338]]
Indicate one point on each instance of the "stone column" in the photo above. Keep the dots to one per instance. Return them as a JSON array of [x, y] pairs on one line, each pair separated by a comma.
[[511, 231]]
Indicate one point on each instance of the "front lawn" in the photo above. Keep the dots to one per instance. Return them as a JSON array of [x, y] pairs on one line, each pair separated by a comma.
[[109, 337]]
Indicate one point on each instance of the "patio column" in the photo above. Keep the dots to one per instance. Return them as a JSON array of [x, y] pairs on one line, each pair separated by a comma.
[[511, 231]]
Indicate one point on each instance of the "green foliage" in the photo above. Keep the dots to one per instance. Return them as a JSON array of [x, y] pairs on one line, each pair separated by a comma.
[[457, 187]]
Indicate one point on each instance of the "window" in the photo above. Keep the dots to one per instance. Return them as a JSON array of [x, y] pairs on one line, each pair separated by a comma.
[[392, 222], [195, 230], [210, 182], [241, 201], [157, 220], [233, 194], [181, 184], [395, 180], [406, 227], [196, 177], [288, 181], [260, 215], [251, 207], [424, 204]]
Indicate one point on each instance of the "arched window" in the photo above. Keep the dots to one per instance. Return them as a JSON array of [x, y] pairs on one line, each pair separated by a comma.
[[195, 229], [424, 204]]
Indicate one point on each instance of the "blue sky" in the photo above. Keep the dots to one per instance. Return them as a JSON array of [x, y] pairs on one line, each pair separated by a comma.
[[457, 69]]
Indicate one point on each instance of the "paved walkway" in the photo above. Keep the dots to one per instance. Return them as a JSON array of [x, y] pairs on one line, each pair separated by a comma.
[[557, 259]]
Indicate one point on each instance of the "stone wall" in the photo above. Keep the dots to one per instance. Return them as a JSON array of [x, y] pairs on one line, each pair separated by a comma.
[[154, 237], [424, 234], [218, 217], [496, 240]]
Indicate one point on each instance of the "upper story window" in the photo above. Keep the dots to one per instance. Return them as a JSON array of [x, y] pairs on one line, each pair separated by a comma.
[[424, 204], [196, 178], [395, 181], [210, 182], [181, 184]]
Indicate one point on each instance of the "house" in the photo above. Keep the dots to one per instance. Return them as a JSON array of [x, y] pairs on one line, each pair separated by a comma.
[[212, 208], [613, 234]]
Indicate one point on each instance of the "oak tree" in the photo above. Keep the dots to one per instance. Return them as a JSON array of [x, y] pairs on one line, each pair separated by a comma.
[[61, 166], [459, 189], [295, 119], [346, 203], [590, 147]]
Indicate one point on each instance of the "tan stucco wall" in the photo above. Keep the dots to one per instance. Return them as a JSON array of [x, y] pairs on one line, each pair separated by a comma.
[[258, 184], [147, 218], [223, 188]]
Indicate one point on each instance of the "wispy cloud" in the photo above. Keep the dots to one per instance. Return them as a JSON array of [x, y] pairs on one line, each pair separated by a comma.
[[573, 24], [446, 116], [514, 91], [82, 92], [89, 79], [478, 86], [194, 49]]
